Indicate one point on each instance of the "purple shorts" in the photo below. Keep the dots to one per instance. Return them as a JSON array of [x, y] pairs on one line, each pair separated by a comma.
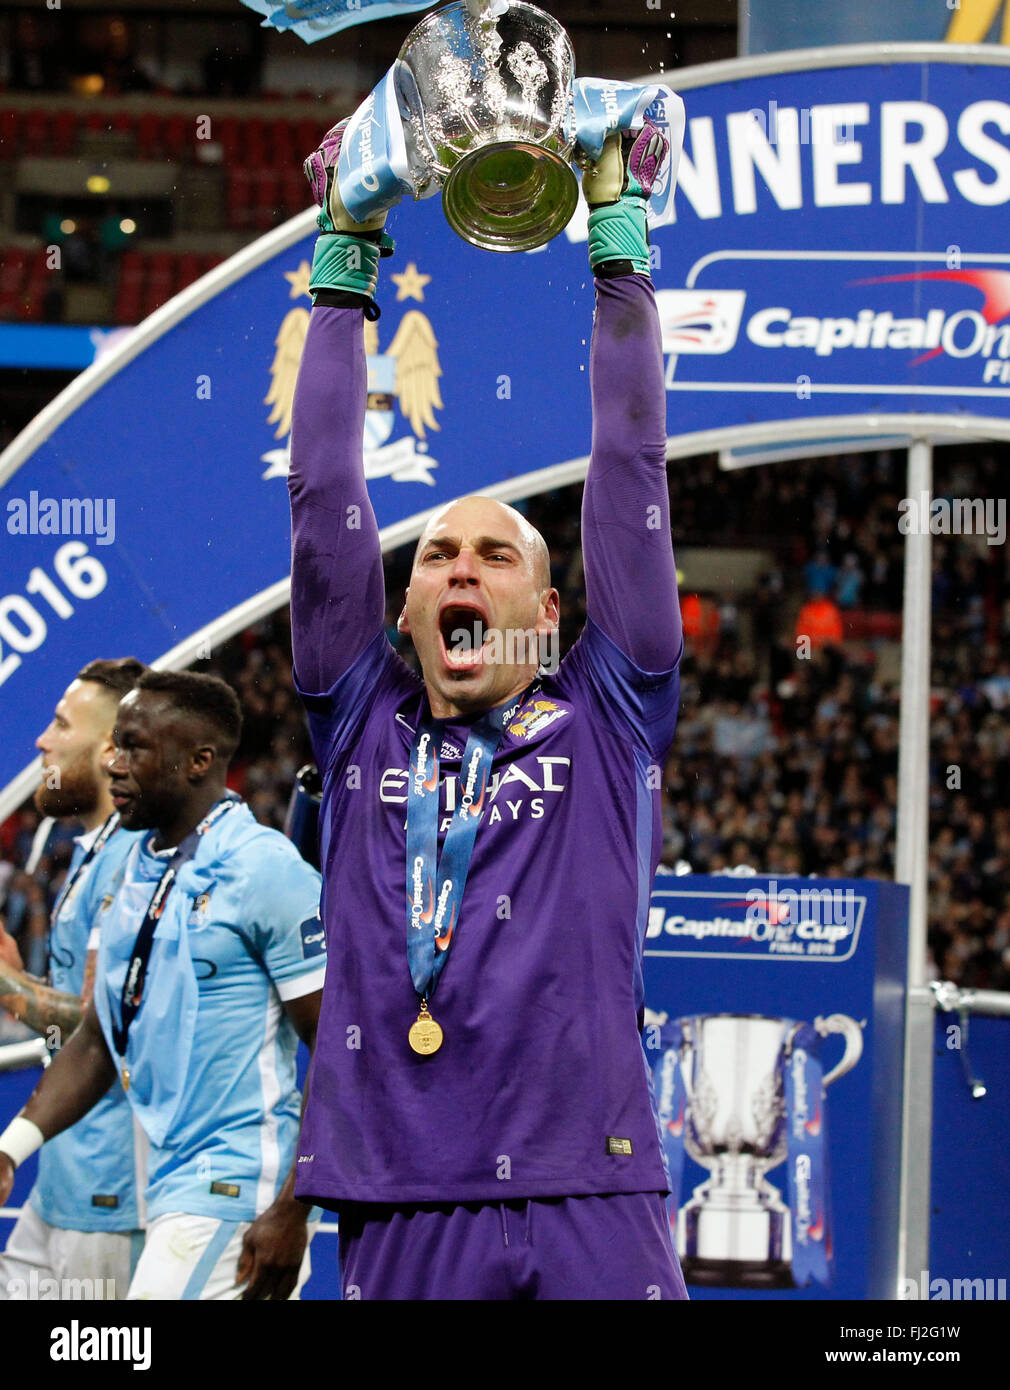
[[600, 1247]]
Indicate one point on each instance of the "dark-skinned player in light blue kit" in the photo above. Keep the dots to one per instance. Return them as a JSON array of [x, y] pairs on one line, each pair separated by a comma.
[[480, 1112]]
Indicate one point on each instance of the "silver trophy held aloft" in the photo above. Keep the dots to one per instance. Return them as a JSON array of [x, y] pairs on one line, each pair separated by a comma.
[[736, 1230], [487, 101]]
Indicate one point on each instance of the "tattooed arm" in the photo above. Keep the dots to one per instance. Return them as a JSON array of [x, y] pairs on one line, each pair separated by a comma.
[[40, 1007], [33, 1001]]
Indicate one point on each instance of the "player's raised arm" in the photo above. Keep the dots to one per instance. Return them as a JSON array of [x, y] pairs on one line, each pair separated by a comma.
[[630, 574], [337, 590]]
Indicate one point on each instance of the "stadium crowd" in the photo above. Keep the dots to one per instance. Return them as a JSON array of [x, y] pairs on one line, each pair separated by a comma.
[[786, 753]]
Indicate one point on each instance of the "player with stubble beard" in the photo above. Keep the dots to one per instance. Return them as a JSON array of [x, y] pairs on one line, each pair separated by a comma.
[[209, 971], [81, 1220]]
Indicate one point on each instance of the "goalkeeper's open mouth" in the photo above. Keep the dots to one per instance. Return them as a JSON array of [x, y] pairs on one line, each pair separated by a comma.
[[464, 633]]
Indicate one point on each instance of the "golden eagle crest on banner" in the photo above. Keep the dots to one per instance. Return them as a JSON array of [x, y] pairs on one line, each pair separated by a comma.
[[407, 371]]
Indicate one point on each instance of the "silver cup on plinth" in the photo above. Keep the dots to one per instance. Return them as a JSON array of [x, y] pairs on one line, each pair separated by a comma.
[[487, 102], [736, 1230]]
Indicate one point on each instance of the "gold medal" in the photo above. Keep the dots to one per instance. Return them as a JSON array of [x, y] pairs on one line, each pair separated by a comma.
[[126, 1078], [425, 1036]]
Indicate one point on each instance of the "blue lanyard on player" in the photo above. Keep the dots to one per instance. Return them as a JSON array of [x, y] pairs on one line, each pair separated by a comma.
[[133, 986], [98, 844], [435, 882]]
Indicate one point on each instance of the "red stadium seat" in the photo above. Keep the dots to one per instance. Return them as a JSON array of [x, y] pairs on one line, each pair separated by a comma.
[[131, 267], [266, 202], [307, 136], [38, 271], [284, 149], [35, 133], [13, 261], [64, 132], [13, 267], [149, 136], [256, 150], [125, 123], [227, 132], [178, 135], [127, 310], [239, 197], [188, 269], [295, 192], [32, 295], [157, 292], [9, 130]]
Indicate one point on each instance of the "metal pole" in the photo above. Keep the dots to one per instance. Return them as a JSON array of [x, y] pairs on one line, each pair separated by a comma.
[[19, 1056], [912, 839]]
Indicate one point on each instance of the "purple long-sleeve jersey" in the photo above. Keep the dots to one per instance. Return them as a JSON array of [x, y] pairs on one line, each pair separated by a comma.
[[541, 1086]]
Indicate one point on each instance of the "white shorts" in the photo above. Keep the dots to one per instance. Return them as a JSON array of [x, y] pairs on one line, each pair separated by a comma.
[[48, 1262], [195, 1258]]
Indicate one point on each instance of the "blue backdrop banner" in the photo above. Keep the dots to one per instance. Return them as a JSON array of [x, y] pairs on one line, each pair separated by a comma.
[[839, 250]]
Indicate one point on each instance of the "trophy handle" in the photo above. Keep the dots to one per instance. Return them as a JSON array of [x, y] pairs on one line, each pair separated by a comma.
[[486, 10], [683, 1057], [853, 1034]]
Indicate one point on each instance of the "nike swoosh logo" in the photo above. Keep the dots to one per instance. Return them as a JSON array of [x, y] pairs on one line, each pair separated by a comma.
[[400, 720]]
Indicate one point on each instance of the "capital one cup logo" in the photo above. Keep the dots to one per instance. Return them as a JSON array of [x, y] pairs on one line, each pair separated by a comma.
[[972, 325], [406, 372], [706, 322]]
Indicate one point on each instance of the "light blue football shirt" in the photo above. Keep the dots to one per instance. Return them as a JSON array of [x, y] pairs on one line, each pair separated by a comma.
[[211, 1053], [87, 1175]]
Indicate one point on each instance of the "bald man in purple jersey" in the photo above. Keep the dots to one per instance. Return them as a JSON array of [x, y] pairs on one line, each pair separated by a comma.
[[490, 829]]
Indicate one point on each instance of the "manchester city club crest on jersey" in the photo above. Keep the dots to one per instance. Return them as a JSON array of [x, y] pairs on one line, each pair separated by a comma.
[[535, 717], [406, 371], [201, 906]]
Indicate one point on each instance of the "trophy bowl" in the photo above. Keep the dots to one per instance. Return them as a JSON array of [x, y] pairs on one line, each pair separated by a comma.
[[488, 112]]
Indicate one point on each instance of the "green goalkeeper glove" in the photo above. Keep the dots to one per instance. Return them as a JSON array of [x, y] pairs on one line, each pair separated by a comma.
[[617, 188], [346, 258]]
